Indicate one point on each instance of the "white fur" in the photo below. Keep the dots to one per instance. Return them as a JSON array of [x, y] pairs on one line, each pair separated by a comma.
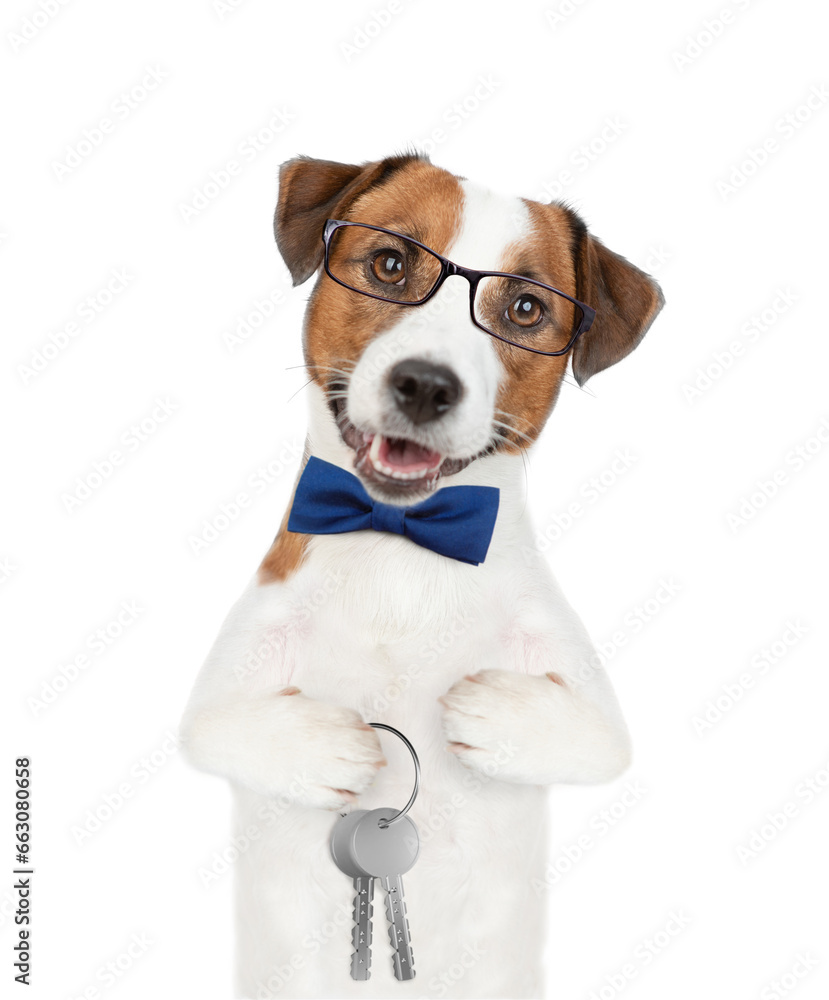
[[374, 628]]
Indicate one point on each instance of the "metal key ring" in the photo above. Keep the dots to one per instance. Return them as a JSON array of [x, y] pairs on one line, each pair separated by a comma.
[[393, 819]]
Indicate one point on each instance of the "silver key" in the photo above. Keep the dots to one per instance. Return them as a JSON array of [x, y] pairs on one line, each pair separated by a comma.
[[342, 853], [402, 958], [361, 935], [363, 847]]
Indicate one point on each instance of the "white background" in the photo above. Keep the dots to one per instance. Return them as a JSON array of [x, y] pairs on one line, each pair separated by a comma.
[[669, 108]]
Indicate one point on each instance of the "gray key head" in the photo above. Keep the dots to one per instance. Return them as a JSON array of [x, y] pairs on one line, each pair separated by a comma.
[[341, 840], [383, 851]]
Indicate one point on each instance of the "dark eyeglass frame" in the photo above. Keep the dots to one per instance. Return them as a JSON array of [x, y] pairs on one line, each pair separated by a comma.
[[450, 268]]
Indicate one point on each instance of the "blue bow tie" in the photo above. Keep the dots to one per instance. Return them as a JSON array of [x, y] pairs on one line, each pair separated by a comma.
[[457, 521]]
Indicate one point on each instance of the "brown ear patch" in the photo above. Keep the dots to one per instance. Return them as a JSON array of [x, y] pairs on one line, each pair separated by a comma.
[[626, 300], [311, 191]]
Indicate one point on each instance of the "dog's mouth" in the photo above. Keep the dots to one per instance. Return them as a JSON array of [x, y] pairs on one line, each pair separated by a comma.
[[396, 465], [399, 459]]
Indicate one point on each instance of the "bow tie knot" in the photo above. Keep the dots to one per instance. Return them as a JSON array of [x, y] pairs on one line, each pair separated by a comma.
[[456, 521], [387, 517]]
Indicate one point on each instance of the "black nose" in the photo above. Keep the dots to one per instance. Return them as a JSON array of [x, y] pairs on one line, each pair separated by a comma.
[[424, 391]]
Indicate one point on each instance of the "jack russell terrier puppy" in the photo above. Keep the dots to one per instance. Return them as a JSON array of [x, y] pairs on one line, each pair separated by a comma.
[[387, 596]]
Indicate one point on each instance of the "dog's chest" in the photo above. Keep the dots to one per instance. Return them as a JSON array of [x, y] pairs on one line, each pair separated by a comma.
[[378, 625], [373, 619]]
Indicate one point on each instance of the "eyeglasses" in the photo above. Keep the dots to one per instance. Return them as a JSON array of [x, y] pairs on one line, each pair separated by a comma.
[[391, 267]]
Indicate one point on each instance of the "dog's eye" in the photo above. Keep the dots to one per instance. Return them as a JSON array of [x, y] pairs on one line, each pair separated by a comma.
[[388, 267], [526, 310]]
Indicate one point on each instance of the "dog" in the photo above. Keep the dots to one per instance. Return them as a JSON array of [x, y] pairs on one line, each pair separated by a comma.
[[424, 375]]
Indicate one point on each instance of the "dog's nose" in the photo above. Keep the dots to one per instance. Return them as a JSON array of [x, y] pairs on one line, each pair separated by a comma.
[[424, 391]]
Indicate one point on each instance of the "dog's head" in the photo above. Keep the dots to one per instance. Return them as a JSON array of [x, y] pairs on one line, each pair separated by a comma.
[[420, 391]]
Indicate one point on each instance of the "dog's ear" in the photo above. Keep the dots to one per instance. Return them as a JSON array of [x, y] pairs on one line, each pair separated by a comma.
[[626, 301], [311, 191]]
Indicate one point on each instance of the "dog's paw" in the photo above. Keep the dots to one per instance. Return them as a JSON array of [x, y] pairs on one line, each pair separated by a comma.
[[486, 717], [337, 754], [285, 746], [532, 729]]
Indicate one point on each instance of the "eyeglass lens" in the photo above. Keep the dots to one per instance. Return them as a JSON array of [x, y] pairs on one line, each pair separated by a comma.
[[394, 268]]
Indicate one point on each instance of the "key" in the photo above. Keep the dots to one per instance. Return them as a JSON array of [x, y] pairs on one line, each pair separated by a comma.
[[364, 848], [402, 958], [361, 935], [389, 852], [341, 852]]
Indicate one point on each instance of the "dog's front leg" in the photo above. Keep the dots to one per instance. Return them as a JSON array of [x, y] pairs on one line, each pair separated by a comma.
[[246, 722], [552, 717]]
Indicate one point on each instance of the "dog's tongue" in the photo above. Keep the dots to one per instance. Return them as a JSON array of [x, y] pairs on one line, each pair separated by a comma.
[[398, 453]]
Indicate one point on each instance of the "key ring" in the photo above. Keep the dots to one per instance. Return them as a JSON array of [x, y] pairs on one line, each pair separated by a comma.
[[383, 823]]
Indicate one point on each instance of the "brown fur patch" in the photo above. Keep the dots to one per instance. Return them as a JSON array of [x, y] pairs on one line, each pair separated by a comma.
[[311, 191], [626, 301], [419, 200], [533, 380], [287, 550]]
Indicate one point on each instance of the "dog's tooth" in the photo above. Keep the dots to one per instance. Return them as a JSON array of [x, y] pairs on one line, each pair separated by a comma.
[[396, 473], [374, 449]]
